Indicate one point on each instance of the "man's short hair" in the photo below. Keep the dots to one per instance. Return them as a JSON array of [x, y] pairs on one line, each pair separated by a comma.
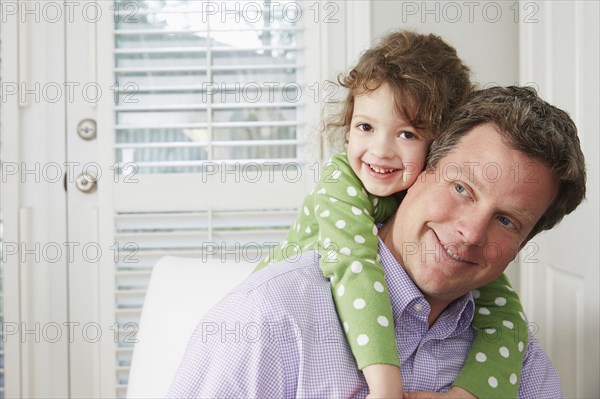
[[528, 124]]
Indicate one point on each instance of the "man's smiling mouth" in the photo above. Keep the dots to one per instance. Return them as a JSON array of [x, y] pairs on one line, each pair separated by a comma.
[[452, 254]]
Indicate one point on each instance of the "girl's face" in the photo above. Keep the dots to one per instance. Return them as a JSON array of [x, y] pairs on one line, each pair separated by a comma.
[[385, 151]]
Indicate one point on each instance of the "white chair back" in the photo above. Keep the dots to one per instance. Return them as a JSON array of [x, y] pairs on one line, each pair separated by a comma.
[[180, 291]]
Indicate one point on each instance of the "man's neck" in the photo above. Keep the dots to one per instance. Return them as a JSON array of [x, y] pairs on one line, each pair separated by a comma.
[[437, 307]]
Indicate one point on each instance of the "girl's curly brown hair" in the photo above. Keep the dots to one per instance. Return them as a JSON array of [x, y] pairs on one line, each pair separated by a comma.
[[426, 75]]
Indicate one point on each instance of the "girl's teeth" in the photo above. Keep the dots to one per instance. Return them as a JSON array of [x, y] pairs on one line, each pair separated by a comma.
[[380, 170]]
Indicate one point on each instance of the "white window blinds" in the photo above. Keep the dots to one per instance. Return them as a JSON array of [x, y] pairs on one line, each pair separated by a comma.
[[208, 99], [204, 81]]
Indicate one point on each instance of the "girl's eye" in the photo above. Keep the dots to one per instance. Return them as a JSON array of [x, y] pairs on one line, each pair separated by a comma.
[[365, 127], [407, 135]]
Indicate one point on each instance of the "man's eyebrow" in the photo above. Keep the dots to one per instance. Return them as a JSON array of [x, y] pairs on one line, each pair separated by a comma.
[[469, 176], [524, 214]]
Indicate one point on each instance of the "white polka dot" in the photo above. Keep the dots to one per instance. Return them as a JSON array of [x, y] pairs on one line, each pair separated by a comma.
[[340, 224], [297, 228], [326, 242], [356, 266], [366, 212], [306, 211], [375, 230], [359, 239], [522, 316], [476, 294], [520, 346], [484, 311], [375, 201], [378, 286], [324, 214], [307, 230], [284, 243], [362, 339], [317, 208], [332, 199], [378, 258], [321, 191], [480, 357], [513, 378], [508, 324], [336, 174], [356, 211], [500, 301], [359, 303], [490, 331], [345, 326], [504, 352], [508, 287], [341, 290], [351, 191], [371, 261], [345, 251], [493, 382], [364, 191], [383, 321]]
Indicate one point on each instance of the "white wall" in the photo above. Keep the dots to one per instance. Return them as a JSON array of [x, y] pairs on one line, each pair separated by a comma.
[[485, 34]]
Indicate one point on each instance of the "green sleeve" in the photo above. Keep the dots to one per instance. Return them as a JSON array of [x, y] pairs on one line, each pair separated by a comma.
[[493, 366], [348, 244]]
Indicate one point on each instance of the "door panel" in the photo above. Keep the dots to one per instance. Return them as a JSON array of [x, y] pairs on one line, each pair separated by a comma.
[[560, 283]]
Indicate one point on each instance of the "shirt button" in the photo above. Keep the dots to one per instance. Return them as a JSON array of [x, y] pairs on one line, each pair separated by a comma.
[[418, 307]]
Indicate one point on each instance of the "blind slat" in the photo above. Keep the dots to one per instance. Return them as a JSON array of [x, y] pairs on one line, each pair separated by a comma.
[[212, 68], [201, 50]]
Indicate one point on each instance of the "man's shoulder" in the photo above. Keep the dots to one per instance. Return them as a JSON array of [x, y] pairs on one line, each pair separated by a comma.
[[286, 278]]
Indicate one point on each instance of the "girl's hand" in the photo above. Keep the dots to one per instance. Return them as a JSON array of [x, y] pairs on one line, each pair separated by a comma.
[[384, 380], [453, 393]]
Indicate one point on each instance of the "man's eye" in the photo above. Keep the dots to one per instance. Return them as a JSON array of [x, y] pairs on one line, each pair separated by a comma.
[[460, 188], [505, 221], [365, 127]]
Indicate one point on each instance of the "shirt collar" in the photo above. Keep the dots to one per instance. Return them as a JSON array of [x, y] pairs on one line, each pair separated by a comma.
[[404, 293]]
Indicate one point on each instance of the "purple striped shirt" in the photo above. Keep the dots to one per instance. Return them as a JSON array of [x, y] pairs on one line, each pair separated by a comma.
[[278, 335]]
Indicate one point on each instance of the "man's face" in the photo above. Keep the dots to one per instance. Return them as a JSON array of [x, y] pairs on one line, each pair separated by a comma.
[[461, 224]]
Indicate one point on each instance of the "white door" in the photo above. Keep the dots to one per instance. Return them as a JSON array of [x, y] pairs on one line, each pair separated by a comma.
[[560, 281], [181, 129], [199, 150]]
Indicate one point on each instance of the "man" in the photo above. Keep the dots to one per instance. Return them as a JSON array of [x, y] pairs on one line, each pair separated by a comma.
[[509, 167]]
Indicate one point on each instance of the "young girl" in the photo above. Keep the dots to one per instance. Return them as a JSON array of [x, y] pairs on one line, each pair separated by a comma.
[[401, 95]]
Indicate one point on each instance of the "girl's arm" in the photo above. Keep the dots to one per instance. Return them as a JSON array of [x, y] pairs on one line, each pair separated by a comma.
[[493, 366], [348, 244]]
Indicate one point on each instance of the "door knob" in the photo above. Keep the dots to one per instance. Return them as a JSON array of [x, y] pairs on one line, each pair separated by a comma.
[[87, 129], [86, 183]]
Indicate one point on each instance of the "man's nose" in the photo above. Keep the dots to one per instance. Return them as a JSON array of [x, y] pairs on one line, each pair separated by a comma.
[[473, 227]]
